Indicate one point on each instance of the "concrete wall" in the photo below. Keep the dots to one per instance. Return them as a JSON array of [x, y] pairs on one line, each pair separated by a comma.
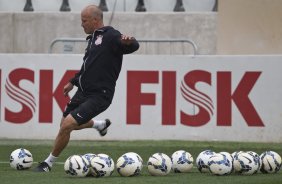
[[33, 32], [121, 5], [249, 27]]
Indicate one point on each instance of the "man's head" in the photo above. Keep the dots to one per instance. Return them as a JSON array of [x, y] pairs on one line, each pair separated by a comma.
[[91, 19]]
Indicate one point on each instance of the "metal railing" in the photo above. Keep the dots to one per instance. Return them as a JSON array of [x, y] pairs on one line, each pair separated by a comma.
[[82, 40]]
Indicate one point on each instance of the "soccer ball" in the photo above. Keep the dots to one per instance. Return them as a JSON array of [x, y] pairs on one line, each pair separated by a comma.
[[228, 155], [219, 164], [182, 161], [202, 160], [159, 164], [88, 157], [230, 158], [245, 163], [235, 156], [21, 159], [129, 164], [257, 158], [236, 163], [271, 162], [76, 165], [102, 165]]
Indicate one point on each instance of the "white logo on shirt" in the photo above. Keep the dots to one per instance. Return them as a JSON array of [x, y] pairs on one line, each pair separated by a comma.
[[98, 40]]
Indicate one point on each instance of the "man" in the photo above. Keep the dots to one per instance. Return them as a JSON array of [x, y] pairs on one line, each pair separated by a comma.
[[95, 81]]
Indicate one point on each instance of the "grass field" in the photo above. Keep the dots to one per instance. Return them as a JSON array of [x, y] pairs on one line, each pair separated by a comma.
[[40, 149]]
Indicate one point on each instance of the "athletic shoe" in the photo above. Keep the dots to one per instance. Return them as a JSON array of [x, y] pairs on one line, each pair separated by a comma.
[[42, 167], [104, 131]]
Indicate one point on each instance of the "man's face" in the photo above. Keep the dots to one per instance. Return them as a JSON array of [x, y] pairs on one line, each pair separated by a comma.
[[88, 23]]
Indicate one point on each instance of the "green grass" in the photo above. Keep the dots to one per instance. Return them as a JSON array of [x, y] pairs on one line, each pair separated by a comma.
[[41, 149]]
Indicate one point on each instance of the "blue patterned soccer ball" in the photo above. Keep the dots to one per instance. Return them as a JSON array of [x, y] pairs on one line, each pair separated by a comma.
[[271, 162], [256, 158], [129, 164], [220, 164], [159, 164], [182, 161], [88, 157], [21, 159], [76, 165], [202, 160], [245, 163], [229, 157], [102, 165]]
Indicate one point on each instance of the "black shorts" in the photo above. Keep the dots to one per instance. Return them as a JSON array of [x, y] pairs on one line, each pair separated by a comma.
[[83, 108]]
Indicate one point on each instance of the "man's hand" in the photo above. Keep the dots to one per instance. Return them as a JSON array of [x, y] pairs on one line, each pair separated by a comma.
[[67, 88], [126, 40]]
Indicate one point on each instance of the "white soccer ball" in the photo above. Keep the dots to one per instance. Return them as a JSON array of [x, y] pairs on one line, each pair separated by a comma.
[[236, 163], [21, 159], [271, 162], [182, 161], [229, 157], [245, 163], [76, 165], [159, 164], [220, 164], [129, 164], [102, 165], [203, 159], [88, 157], [235, 156], [256, 158]]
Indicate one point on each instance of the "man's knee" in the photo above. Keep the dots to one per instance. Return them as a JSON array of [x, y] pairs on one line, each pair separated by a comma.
[[68, 124]]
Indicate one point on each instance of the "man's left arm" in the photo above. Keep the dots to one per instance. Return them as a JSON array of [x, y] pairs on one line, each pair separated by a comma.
[[129, 44]]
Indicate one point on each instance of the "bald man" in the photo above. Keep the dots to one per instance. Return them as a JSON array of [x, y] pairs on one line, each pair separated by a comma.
[[95, 81]]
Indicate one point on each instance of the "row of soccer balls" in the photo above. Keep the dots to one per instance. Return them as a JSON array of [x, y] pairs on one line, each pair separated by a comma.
[[246, 163], [131, 164]]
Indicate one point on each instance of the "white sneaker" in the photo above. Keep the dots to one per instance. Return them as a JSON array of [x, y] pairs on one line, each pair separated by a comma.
[[104, 130]]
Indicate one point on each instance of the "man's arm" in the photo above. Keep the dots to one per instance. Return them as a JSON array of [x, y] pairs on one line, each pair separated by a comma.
[[74, 80], [129, 44], [67, 88]]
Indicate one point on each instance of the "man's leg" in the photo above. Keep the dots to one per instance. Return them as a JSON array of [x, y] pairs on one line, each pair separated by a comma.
[[68, 124], [89, 124], [100, 125]]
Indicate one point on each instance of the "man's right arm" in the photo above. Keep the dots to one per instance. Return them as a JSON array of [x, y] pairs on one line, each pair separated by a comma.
[[74, 80], [67, 88]]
